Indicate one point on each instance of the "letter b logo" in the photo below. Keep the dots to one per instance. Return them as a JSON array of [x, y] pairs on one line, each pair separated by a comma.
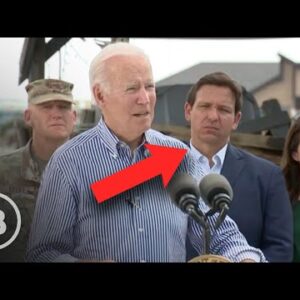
[[10, 221], [2, 224]]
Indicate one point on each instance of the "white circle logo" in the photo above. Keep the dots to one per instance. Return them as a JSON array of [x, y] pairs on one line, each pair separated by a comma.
[[3, 224]]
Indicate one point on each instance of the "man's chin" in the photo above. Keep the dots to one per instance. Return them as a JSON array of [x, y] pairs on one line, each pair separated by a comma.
[[141, 130], [211, 139], [147, 127], [144, 124], [59, 136]]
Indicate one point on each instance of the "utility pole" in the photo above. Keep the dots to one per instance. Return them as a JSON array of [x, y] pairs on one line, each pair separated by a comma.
[[102, 44], [115, 40]]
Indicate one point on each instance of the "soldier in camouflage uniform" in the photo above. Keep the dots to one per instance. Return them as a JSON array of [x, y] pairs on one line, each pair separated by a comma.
[[52, 118]]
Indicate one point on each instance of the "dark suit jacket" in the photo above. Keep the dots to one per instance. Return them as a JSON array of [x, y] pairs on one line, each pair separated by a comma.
[[260, 205]]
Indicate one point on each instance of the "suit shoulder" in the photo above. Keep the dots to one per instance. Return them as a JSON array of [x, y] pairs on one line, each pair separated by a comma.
[[256, 160]]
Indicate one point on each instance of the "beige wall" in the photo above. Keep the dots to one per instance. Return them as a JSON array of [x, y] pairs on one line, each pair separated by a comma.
[[297, 85], [281, 90]]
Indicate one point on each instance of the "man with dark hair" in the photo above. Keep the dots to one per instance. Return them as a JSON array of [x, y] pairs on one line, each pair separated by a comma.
[[260, 205]]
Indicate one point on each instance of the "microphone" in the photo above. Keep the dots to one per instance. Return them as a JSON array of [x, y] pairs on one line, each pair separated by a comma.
[[184, 192], [217, 193]]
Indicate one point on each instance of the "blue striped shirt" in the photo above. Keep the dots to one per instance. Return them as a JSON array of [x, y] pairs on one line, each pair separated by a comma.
[[139, 225], [203, 162]]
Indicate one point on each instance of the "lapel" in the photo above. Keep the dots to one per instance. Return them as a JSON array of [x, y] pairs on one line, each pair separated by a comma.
[[234, 163]]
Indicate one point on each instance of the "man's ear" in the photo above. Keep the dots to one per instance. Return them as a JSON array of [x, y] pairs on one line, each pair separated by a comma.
[[98, 95], [74, 116], [27, 117], [187, 111], [237, 119]]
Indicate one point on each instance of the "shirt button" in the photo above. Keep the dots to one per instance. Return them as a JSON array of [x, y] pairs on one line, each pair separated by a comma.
[[141, 229], [142, 260], [147, 153]]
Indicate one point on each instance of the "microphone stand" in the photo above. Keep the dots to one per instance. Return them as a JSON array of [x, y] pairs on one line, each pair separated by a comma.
[[201, 218], [222, 216], [221, 205], [189, 205]]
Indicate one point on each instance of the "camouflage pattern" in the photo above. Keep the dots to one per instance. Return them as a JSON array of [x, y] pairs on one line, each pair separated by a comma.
[[44, 90], [20, 180]]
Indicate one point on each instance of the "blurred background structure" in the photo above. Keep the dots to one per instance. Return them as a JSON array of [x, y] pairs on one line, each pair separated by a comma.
[[271, 92]]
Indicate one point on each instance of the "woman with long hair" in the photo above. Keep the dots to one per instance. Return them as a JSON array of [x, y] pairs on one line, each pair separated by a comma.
[[291, 171]]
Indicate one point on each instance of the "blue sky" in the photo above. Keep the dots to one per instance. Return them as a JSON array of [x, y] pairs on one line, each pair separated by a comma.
[[168, 56]]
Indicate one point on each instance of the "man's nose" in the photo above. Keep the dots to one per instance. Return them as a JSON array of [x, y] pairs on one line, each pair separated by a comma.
[[143, 96], [56, 112], [213, 114]]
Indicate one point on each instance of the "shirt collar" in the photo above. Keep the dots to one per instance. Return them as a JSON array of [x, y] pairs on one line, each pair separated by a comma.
[[108, 137], [218, 157], [112, 141]]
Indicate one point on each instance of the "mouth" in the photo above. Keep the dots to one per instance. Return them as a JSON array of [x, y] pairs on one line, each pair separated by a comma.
[[57, 125], [141, 114], [211, 128]]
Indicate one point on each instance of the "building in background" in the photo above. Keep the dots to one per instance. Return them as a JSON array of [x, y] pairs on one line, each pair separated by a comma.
[[264, 81]]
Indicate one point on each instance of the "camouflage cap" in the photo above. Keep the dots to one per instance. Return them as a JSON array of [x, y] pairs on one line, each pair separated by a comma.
[[45, 90]]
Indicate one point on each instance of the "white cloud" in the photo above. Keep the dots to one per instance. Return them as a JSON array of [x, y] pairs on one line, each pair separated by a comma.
[[168, 56]]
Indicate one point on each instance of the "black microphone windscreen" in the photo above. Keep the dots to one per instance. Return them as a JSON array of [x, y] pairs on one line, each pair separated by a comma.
[[213, 184], [181, 184]]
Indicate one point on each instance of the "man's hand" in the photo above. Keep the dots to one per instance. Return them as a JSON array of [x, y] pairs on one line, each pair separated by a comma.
[[95, 261], [248, 260]]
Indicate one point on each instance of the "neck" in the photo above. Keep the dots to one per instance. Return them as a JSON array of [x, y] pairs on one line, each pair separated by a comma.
[[207, 150], [133, 143], [43, 148]]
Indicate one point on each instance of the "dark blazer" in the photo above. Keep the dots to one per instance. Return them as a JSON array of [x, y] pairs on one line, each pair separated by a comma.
[[260, 205]]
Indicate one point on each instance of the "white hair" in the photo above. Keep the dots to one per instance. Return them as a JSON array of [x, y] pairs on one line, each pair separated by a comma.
[[97, 72]]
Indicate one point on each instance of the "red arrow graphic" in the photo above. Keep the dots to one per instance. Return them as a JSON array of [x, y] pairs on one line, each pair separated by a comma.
[[163, 161]]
